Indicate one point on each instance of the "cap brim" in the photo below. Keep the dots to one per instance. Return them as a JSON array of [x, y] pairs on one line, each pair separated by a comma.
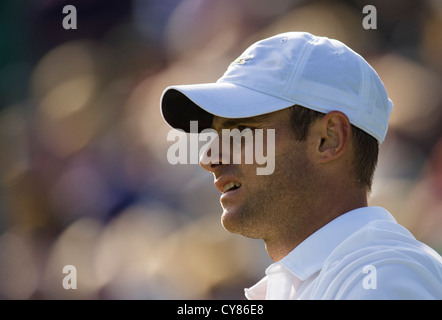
[[200, 102]]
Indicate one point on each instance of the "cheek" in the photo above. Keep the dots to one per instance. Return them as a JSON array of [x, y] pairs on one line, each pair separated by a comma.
[[279, 161], [288, 151], [293, 169]]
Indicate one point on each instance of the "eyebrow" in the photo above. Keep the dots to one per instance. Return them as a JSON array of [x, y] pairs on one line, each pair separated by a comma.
[[232, 122], [229, 123]]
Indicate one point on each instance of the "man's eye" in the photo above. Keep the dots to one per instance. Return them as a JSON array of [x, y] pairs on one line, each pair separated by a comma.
[[241, 128]]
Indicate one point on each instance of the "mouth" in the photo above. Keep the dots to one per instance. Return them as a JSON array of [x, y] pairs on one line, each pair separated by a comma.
[[230, 190], [231, 186]]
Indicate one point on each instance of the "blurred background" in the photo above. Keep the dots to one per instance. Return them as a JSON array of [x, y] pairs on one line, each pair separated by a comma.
[[84, 178]]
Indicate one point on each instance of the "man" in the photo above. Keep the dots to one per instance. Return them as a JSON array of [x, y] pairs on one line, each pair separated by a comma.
[[329, 113]]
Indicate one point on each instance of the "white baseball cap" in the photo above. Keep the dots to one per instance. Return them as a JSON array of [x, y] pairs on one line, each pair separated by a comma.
[[291, 68]]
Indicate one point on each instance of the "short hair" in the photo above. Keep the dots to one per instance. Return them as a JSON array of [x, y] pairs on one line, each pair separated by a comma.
[[366, 147]]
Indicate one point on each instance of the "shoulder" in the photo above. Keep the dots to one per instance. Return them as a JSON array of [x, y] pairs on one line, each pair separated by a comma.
[[382, 260]]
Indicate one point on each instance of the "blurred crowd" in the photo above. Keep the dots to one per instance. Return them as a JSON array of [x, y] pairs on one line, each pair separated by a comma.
[[84, 178]]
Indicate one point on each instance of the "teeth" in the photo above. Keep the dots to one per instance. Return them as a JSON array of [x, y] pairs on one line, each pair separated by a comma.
[[230, 185]]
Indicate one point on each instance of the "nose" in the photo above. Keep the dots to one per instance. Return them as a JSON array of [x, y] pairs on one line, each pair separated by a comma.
[[210, 158]]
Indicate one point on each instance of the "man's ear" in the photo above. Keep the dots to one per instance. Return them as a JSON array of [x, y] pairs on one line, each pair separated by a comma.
[[331, 136]]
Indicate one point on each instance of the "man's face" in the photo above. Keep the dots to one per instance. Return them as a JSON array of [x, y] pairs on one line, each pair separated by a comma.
[[264, 205]]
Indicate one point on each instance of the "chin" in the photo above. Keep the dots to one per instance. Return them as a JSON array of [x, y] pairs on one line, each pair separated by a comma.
[[229, 221], [237, 222]]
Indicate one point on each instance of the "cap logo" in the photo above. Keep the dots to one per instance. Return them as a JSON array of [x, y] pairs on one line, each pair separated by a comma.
[[242, 59]]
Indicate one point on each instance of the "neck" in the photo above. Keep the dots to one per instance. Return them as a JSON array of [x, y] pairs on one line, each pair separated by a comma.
[[308, 221]]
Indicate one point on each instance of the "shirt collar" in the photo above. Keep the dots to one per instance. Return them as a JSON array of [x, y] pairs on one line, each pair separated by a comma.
[[309, 256]]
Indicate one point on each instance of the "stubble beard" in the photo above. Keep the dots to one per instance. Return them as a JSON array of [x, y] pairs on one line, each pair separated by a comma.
[[275, 207]]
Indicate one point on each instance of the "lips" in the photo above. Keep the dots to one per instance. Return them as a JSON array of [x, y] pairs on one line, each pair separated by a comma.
[[232, 185], [227, 184]]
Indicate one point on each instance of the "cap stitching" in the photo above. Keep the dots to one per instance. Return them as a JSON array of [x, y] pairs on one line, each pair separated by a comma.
[[305, 53]]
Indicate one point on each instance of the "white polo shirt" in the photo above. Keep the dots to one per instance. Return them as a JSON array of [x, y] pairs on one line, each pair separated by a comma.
[[362, 254]]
